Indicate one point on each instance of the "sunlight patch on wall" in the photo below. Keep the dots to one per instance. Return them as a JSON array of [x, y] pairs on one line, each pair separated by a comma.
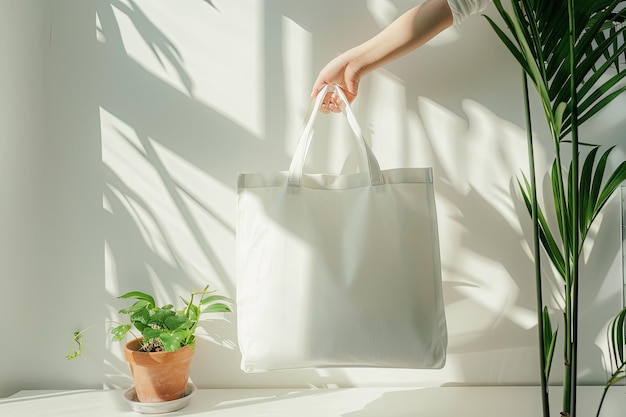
[[602, 250], [602, 343], [446, 136], [499, 146], [206, 208], [110, 271], [467, 155], [144, 219], [100, 37], [386, 11], [386, 113], [383, 11], [136, 188], [167, 204], [116, 372], [486, 293], [213, 54], [297, 63], [162, 293], [524, 318], [486, 131], [475, 162]]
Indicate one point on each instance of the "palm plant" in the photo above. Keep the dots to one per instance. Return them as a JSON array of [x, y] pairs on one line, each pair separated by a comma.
[[571, 51], [616, 337]]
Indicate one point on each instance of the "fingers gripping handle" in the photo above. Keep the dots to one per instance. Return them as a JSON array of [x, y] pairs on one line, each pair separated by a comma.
[[367, 160]]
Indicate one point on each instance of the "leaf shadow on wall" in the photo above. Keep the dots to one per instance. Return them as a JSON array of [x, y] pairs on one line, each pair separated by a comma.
[[170, 165], [171, 160]]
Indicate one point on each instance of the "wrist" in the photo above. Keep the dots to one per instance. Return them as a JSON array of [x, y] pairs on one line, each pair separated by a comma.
[[357, 62]]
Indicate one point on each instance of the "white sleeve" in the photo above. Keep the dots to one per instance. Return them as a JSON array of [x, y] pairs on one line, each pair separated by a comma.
[[462, 9]]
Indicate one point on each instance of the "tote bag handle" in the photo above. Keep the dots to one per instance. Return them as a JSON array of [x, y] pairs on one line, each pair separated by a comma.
[[367, 160]]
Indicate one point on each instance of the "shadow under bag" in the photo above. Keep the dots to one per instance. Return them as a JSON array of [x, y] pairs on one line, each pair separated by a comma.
[[338, 270]]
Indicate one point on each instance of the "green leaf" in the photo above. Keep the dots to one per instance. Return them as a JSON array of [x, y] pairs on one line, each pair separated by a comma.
[[593, 190], [560, 204], [119, 332], [200, 291], [510, 45], [589, 25], [139, 305], [217, 308], [617, 336], [193, 312], [558, 115], [549, 339], [177, 322], [617, 177], [140, 318], [618, 329], [546, 325], [172, 341], [593, 87], [150, 333], [139, 296], [159, 317], [213, 298], [545, 235], [598, 176], [78, 340], [586, 196], [597, 107]]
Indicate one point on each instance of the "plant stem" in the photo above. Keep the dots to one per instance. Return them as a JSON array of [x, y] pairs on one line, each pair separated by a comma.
[[606, 389], [567, 380], [574, 207], [538, 286], [79, 335], [614, 379], [190, 334]]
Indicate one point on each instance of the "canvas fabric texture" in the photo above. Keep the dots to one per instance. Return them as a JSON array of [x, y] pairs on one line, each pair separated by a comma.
[[338, 270]]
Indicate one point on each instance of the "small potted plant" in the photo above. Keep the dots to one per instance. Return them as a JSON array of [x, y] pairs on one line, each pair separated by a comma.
[[160, 356]]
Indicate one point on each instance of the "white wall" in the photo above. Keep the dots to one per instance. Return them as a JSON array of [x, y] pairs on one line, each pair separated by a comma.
[[51, 240], [22, 127], [154, 107]]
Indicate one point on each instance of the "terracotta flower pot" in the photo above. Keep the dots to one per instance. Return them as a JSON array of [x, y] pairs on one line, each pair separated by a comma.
[[159, 376]]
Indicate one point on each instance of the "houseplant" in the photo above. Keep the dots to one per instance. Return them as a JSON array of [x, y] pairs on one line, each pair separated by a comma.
[[160, 355], [572, 52]]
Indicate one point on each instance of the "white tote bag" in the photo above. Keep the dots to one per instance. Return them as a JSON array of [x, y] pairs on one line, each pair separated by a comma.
[[338, 270]]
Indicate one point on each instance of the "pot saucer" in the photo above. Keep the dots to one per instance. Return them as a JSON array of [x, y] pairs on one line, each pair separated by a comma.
[[130, 395]]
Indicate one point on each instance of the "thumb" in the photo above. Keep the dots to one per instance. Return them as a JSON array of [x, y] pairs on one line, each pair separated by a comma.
[[317, 87]]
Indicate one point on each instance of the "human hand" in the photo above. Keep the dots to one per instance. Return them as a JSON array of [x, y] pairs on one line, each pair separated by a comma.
[[339, 71]]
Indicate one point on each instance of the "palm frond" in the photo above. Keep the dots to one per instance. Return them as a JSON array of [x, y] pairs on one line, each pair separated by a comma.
[[617, 340], [549, 337], [548, 242]]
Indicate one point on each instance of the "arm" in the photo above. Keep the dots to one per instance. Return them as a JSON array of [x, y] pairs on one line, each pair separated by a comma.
[[408, 32]]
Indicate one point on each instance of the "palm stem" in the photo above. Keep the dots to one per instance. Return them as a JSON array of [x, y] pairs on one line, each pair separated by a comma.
[[574, 208], [606, 389], [614, 378], [538, 286]]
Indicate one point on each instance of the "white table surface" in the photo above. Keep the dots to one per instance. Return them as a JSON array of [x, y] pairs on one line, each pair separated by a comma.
[[345, 402]]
